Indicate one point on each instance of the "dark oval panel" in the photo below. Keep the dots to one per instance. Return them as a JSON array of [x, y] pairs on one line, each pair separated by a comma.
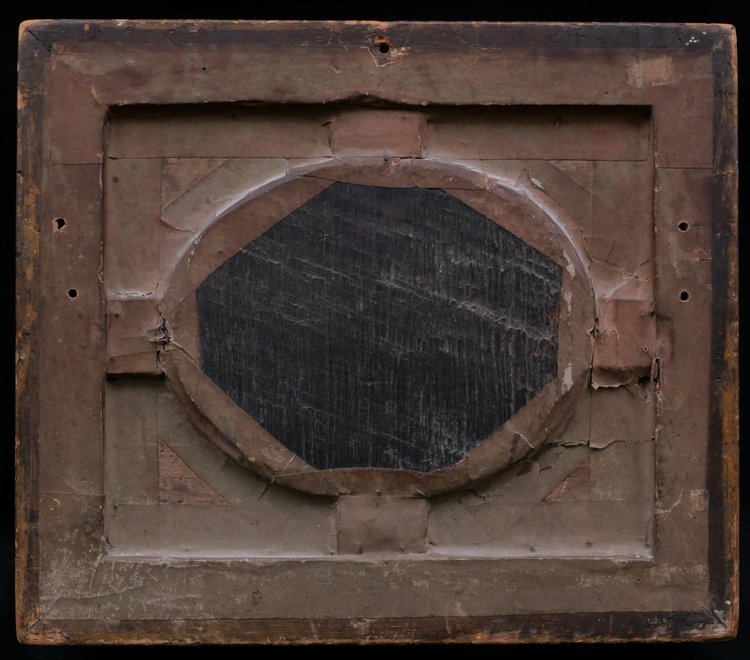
[[381, 328]]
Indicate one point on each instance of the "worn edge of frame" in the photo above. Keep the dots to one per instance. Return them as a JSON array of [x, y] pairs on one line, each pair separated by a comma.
[[35, 46], [723, 441], [33, 71]]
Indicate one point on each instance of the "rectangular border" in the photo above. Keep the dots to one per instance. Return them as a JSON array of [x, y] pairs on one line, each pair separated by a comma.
[[37, 43]]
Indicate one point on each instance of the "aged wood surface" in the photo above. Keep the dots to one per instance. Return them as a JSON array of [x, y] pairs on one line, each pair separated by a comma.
[[32, 81], [118, 541], [229, 426], [382, 327], [589, 627], [723, 450]]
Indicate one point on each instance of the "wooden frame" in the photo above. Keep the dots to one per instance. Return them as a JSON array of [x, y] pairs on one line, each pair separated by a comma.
[[74, 78], [273, 460]]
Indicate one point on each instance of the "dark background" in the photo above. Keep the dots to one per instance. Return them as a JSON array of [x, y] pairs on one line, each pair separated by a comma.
[[705, 12]]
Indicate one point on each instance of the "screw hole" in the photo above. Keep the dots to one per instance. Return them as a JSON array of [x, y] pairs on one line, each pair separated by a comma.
[[683, 226], [684, 296], [59, 223], [72, 293], [203, 68], [384, 48]]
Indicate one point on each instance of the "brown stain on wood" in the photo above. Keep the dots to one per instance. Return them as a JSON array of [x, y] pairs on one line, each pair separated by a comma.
[[576, 488], [178, 484]]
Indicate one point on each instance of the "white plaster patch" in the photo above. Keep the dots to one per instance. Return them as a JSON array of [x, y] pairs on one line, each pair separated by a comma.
[[570, 267], [651, 72], [568, 377], [568, 296]]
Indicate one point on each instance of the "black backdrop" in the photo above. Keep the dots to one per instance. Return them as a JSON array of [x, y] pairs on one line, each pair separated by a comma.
[[622, 10]]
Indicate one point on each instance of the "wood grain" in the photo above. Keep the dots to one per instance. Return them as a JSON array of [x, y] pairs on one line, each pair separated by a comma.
[[382, 327]]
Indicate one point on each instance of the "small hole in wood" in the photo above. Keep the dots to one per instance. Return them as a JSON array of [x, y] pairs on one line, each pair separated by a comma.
[[683, 226], [59, 223], [203, 68], [384, 48], [72, 293], [684, 296]]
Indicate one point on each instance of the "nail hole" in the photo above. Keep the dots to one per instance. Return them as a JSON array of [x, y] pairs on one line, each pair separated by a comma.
[[684, 296], [384, 48], [59, 223], [203, 68], [683, 226], [72, 293]]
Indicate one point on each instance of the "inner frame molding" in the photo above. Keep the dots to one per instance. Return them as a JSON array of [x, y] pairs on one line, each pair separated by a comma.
[[510, 204], [551, 504]]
